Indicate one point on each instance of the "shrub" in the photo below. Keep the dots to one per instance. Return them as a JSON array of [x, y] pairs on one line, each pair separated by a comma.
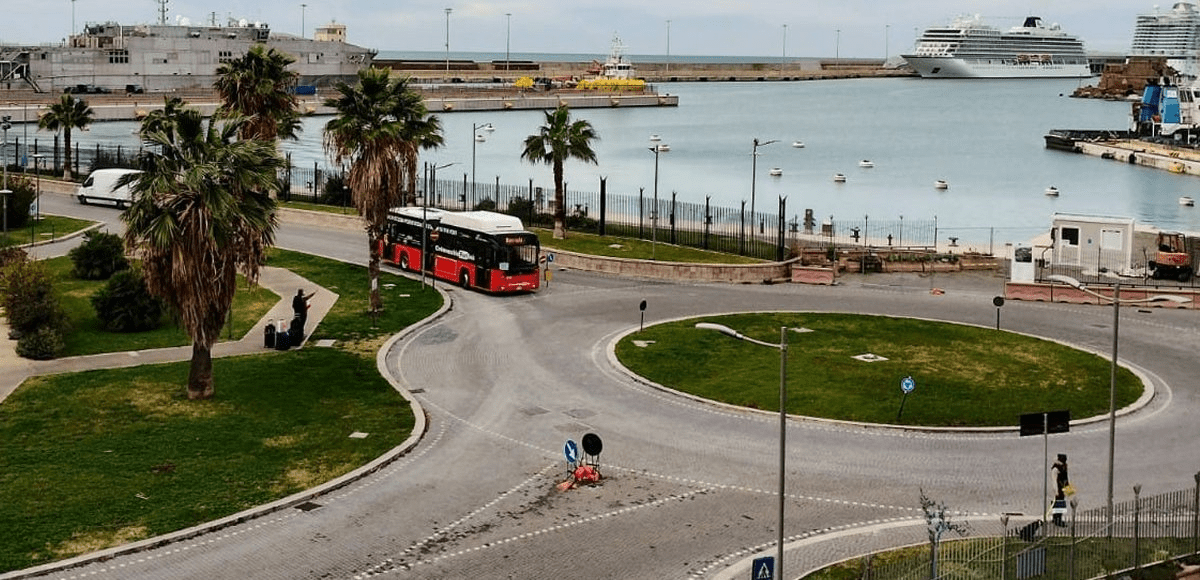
[[335, 192], [42, 344], [99, 256], [29, 299], [19, 201], [125, 305], [486, 204]]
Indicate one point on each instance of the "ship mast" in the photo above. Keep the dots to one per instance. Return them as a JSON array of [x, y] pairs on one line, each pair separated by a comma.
[[162, 12]]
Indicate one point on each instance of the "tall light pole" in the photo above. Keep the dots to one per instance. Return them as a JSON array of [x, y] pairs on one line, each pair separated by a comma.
[[656, 149], [1116, 301], [477, 137], [507, 40], [783, 348], [783, 60], [303, 7], [887, 46], [5, 125], [754, 174], [668, 46], [837, 47], [448, 11]]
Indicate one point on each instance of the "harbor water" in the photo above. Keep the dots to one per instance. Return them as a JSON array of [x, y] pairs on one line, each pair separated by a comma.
[[983, 138]]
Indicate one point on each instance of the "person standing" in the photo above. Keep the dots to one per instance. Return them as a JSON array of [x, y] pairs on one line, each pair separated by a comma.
[[1061, 480], [300, 309]]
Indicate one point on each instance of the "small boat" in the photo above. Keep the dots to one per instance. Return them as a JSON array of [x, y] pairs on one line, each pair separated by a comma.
[[655, 138], [1052, 191], [1187, 201], [775, 172], [839, 177], [866, 163], [941, 184], [664, 147], [798, 144]]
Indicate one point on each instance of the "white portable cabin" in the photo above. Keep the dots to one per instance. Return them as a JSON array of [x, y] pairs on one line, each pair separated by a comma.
[[1094, 243]]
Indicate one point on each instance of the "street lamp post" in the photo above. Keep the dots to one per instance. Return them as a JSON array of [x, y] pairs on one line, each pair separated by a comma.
[[656, 149], [754, 174], [477, 138], [303, 7], [448, 11], [1116, 301], [783, 348], [507, 40], [37, 170], [783, 61], [668, 64], [5, 125]]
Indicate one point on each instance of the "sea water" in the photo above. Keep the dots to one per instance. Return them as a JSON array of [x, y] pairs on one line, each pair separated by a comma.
[[983, 138]]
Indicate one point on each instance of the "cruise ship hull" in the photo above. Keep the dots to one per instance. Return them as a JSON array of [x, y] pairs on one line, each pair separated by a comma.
[[945, 67]]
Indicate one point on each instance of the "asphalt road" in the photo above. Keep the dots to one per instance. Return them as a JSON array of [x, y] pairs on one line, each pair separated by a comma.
[[689, 488]]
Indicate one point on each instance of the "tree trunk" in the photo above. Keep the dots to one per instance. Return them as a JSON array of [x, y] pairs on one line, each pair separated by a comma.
[[560, 202], [67, 154], [373, 271], [200, 376]]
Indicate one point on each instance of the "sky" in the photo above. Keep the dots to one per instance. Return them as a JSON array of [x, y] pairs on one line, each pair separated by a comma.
[[769, 28]]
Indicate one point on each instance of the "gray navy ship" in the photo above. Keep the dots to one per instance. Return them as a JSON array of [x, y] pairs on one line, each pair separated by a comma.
[[164, 57]]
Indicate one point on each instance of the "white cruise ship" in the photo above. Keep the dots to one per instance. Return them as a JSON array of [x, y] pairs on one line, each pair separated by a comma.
[[1174, 35], [970, 49]]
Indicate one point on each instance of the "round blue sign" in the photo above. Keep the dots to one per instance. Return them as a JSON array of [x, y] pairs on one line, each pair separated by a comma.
[[571, 451], [907, 385]]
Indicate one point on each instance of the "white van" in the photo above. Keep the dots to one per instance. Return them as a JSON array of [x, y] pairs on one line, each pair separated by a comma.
[[101, 187]]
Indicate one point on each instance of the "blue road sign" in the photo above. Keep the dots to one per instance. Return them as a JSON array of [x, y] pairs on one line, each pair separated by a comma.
[[907, 385], [763, 568], [550, 257], [571, 451]]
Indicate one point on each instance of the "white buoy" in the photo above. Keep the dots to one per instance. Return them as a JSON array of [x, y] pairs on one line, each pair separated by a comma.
[[941, 184], [839, 177]]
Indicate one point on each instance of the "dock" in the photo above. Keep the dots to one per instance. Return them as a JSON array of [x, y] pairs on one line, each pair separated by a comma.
[[1123, 147]]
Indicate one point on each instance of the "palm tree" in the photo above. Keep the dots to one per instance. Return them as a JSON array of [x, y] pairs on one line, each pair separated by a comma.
[[67, 114], [201, 212], [380, 125], [556, 141], [258, 88], [161, 119]]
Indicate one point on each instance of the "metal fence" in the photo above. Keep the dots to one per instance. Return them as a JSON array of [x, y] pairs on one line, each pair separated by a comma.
[[1088, 544], [765, 234]]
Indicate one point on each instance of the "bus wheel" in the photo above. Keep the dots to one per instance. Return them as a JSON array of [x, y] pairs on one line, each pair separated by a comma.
[[403, 261], [464, 280]]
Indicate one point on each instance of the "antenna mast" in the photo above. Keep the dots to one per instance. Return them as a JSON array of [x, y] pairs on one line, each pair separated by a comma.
[[162, 11]]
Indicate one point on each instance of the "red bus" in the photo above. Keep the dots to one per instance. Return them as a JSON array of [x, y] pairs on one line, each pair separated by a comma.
[[475, 249]]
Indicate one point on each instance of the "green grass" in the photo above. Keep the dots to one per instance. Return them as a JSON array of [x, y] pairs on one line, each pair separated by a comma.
[[49, 228], [321, 207], [87, 336], [965, 376], [405, 301], [635, 249], [97, 459], [101, 458]]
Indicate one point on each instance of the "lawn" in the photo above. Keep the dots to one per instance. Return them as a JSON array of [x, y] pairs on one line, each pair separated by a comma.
[[963, 375], [97, 459], [87, 336], [635, 249], [49, 228]]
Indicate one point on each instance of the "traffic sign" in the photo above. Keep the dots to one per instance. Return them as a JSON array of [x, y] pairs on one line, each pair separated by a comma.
[[763, 568], [571, 450], [550, 257], [907, 385]]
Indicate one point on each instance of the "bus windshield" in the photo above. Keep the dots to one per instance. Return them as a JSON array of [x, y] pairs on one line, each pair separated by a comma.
[[519, 252]]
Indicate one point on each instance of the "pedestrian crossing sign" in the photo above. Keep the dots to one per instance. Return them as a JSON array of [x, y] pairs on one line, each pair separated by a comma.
[[763, 568]]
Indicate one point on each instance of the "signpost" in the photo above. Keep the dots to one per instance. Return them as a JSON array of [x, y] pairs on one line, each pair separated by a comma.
[[998, 302], [907, 384], [571, 451], [763, 568]]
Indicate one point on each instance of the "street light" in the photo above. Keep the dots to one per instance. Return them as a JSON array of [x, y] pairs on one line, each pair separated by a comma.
[[783, 348], [1116, 301], [37, 170], [656, 149], [668, 67], [507, 39], [448, 11], [477, 138], [5, 125], [303, 7], [754, 174], [783, 61]]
